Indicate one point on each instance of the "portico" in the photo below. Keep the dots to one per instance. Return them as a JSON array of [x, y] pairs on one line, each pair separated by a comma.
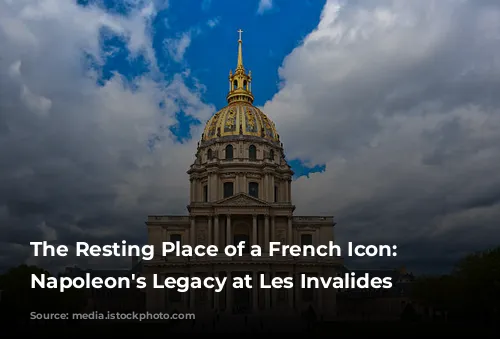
[[226, 229]]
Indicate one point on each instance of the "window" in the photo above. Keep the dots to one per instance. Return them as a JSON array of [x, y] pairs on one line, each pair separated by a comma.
[[205, 193], [245, 84], [228, 189], [271, 155], [229, 152], [238, 238], [235, 84], [253, 189], [175, 238], [210, 155], [306, 239], [276, 193], [252, 152]]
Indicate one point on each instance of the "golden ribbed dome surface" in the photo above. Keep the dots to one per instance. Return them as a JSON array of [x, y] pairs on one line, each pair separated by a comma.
[[240, 118]]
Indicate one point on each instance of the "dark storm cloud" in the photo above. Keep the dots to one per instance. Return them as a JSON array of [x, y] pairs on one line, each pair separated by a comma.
[[399, 100]]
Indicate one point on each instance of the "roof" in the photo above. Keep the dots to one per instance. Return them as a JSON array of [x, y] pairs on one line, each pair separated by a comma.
[[240, 118]]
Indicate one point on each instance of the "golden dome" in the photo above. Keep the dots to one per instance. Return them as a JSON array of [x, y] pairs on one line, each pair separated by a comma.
[[240, 118]]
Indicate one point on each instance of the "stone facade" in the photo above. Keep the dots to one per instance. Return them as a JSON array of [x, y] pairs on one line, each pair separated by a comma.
[[241, 191]]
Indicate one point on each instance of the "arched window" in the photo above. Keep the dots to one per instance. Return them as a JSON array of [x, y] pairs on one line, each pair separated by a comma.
[[235, 84], [306, 239], [253, 189], [176, 238], [271, 155], [229, 152], [252, 152], [245, 84], [228, 189], [210, 155]]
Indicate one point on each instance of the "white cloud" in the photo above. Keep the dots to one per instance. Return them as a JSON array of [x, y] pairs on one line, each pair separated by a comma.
[[205, 4], [178, 46], [86, 164], [264, 6], [213, 22], [397, 99]]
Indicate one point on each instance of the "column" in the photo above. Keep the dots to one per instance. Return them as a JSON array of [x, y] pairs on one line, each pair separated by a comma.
[[274, 292], [216, 295], [320, 299], [229, 293], [273, 229], [267, 291], [192, 232], [210, 231], [228, 231], [209, 187], [210, 294], [297, 291], [216, 231], [166, 302], [290, 231], [255, 290], [271, 188], [186, 300], [151, 295], [266, 233], [264, 190], [255, 241], [191, 298]]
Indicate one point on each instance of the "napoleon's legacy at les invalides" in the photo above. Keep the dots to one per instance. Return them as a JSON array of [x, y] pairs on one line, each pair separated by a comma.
[[241, 192]]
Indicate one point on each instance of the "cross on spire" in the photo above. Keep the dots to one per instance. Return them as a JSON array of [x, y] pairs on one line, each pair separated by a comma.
[[240, 31]]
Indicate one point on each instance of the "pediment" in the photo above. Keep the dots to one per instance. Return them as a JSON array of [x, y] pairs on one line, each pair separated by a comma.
[[241, 199]]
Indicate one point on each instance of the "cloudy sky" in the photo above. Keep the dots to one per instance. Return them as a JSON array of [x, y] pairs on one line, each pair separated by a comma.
[[388, 111]]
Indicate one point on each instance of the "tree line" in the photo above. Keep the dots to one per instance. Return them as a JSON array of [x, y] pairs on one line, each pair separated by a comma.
[[470, 292], [19, 300]]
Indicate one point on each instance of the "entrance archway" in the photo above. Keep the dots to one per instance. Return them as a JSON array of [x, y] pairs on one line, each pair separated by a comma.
[[241, 233]]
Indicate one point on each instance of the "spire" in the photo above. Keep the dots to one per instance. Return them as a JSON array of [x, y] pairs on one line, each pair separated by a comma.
[[240, 53], [240, 88]]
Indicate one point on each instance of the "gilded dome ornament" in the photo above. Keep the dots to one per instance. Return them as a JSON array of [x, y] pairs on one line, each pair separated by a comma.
[[240, 117]]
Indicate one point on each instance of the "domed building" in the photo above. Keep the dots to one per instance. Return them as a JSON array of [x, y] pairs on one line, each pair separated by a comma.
[[241, 192]]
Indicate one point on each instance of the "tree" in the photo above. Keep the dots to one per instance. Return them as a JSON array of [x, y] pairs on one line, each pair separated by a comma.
[[19, 299], [471, 292], [478, 278]]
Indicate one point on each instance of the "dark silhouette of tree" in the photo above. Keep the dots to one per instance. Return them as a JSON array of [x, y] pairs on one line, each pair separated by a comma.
[[19, 299], [470, 293], [478, 280]]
